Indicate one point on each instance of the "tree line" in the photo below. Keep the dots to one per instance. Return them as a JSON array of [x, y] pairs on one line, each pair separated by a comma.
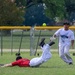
[[21, 12]]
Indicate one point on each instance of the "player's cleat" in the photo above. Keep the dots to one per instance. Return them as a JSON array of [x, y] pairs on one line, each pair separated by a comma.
[[70, 63], [42, 42], [51, 43]]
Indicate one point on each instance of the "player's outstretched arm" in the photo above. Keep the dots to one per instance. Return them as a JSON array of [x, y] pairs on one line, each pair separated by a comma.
[[7, 65]]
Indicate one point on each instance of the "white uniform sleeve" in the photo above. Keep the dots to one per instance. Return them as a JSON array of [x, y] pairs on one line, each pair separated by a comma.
[[72, 36], [57, 33]]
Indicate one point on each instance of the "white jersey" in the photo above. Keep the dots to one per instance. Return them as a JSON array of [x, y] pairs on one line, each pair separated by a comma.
[[65, 36]]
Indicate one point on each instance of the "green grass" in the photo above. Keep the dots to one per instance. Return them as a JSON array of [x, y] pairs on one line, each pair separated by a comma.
[[55, 66]]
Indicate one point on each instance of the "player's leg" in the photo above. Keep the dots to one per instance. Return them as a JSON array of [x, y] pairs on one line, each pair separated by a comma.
[[38, 60], [61, 54], [46, 54], [67, 54], [42, 42]]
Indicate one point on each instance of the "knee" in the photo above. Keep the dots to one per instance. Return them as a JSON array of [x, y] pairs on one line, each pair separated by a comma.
[[65, 52]]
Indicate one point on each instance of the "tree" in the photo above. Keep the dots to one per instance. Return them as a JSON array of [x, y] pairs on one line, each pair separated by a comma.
[[64, 9], [34, 12], [54, 8], [35, 16], [10, 14], [20, 3], [70, 9]]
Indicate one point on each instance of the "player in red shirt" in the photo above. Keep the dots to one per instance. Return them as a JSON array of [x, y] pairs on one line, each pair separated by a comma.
[[21, 63], [34, 62]]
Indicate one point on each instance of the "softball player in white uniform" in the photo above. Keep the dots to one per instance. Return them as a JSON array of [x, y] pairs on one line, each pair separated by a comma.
[[66, 38], [46, 55]]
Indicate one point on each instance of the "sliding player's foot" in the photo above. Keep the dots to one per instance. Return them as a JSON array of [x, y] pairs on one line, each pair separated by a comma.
[[42, 42], [51, 43]]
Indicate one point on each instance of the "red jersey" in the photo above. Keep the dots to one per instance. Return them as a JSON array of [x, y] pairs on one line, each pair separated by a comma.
[[21, 63]]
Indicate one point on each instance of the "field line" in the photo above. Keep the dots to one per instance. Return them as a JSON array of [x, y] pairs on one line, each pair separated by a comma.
[[27, 50]]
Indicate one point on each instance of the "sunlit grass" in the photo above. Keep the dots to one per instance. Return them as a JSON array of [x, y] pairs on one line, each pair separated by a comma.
[[55, 66]]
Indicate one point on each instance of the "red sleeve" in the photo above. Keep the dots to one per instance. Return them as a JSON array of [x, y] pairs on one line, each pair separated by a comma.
[[14, 63], [21, 63]]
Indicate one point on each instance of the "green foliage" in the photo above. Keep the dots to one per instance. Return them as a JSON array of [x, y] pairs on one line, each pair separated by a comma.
[[20, 2], [54, 8], [59, 8], [10, 14], [70, 8]]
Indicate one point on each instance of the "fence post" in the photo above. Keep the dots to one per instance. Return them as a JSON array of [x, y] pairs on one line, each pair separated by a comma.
[[11, 41], [1, 43], [37, 42], [32, 51], [21, 41]]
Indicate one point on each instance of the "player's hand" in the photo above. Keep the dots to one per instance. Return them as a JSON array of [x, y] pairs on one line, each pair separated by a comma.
[[72, 47], [52, 38]]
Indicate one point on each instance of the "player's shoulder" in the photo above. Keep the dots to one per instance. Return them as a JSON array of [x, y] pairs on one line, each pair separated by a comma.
[[71, 31], [60, 29]]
